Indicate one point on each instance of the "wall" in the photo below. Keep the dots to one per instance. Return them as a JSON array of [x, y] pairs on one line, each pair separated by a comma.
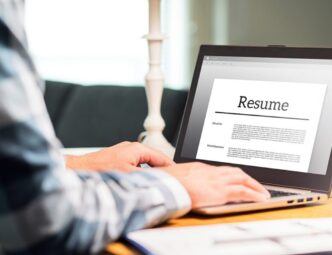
[[259, 22], [289, 22]]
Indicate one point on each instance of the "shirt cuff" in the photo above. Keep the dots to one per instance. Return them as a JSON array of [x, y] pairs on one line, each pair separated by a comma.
[[180, 202]]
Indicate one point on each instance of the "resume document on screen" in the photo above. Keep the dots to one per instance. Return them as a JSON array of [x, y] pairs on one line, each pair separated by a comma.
[[268, 124]]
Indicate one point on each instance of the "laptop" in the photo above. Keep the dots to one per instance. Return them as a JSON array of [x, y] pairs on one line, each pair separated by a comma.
[[267, 110]]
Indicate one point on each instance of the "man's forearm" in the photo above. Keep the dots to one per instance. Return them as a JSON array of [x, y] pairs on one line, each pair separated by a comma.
[[81, 212]]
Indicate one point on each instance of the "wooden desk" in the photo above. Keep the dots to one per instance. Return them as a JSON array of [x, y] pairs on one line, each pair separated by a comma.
[[311, 211]]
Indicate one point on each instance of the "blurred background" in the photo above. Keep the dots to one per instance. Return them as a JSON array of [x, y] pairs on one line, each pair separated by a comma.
[[100, 41]]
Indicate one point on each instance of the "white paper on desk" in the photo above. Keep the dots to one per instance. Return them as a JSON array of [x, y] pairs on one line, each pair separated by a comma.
[[261, 237]]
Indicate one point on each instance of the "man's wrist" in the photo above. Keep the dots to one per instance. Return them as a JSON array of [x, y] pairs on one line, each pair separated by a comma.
[[74, 162], [177, 199]]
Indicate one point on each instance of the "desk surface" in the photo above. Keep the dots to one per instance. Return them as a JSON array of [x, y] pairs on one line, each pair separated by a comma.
[[311, 211]]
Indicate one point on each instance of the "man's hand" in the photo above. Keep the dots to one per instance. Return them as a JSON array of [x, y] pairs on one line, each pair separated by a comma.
[[205, 184], [210, 185], [125, 156]]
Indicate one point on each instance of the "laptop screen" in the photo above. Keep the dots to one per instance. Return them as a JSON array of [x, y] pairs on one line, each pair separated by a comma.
[[270, 113]]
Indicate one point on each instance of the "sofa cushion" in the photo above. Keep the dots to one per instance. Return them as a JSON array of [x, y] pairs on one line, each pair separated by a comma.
[[57, 95], [98, 116]]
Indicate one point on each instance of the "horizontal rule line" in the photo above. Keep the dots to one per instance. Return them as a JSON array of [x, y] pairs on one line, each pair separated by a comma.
[[264, 116]]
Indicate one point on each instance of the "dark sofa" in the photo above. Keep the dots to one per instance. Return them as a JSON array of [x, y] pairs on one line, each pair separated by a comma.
[[98, 116]]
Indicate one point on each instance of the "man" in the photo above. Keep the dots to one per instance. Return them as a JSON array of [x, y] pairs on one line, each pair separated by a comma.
[[45, 208]]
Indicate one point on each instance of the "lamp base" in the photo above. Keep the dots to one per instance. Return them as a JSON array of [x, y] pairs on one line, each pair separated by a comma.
[[157, 141]]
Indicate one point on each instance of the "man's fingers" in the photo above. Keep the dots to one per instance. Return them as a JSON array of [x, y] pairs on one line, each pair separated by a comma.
[[236, 193], [153, 157], [246, 180]]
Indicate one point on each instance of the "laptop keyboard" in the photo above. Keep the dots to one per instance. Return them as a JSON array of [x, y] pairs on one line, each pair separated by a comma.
[[278, 193], [273, 193]]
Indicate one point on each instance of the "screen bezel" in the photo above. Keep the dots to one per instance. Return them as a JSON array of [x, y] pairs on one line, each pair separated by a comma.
[[314, 182]]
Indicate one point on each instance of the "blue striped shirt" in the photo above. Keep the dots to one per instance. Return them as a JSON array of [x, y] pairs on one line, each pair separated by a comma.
[[44, 207]]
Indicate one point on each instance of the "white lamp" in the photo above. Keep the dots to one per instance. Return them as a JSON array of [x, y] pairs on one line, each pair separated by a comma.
[[154, 123]]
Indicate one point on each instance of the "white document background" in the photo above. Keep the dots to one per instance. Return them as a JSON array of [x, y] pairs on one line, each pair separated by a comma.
[[305, 102], [295, 236]]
